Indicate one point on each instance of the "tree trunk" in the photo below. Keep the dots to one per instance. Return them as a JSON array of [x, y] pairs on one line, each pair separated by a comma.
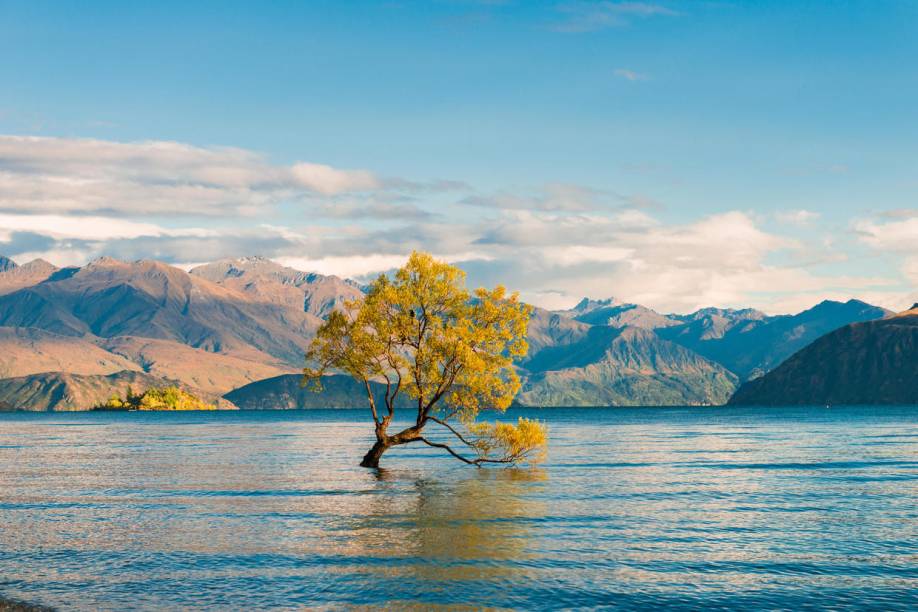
[[384, 442], [371, 459]]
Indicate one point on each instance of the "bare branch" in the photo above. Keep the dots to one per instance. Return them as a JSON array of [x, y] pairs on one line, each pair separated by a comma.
[[475, 462], [447, 449], [366, 383], [398, 386], [450, 427], [441, 391], [390, 400]]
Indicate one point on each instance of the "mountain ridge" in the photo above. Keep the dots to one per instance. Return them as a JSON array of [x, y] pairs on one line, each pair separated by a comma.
[[234, 322], [14, 277], [262, 278]]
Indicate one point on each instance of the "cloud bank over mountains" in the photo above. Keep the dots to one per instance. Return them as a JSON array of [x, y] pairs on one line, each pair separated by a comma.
[[71, 200]]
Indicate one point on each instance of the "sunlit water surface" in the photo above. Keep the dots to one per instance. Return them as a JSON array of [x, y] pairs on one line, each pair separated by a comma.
[[694, 507]]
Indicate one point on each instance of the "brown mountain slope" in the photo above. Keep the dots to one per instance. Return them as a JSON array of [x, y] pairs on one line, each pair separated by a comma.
[[13, 277], [56, 391], [109, 298], [264, 280], [25, 351], [211, 372], [874, 362]]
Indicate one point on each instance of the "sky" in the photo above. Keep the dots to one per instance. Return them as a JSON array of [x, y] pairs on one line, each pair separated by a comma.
[[678, 154]]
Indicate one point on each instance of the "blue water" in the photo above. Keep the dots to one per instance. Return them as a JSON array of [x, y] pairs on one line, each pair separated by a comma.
[[690, 507]]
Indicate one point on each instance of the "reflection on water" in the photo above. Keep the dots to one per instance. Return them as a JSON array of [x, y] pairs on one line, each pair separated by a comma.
[[635, 508], [459, 530]]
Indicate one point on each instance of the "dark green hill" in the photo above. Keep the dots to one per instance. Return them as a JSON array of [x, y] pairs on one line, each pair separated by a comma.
[[285, 393], [874, 362]]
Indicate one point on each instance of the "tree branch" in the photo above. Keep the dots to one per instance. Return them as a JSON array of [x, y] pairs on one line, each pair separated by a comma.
[[441, 392], [475, 462], [398, 386], [450, 427], [390, 400], [366, 383], [447, 449]]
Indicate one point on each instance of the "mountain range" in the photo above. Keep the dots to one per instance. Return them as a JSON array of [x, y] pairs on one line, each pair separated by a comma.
[[608, 353], [239, 328]]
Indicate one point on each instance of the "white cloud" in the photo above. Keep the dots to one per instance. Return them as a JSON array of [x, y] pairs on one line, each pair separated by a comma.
[[363, 266], [88, 228], [353, 266], [85, 176], [720, 260], [577, 254], [898, 237], [70, 200], [592, 16], [553, 259], [797, 217], [331, 181], [910, 269]]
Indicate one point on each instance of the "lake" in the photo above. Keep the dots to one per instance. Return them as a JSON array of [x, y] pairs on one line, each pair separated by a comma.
[[683, 507]]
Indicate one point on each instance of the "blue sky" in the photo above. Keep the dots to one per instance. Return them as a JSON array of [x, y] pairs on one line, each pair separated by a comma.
[[674, 153]]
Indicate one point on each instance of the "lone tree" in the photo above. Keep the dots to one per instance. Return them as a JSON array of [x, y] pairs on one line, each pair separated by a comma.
[[422, 333]]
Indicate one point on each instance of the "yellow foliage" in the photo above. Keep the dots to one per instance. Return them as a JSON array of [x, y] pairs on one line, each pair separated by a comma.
[[154, 398], [525, 441], [423, 333], [114, 403]]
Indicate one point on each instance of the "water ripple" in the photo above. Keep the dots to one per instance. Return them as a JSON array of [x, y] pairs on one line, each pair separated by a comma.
[[681, 508]]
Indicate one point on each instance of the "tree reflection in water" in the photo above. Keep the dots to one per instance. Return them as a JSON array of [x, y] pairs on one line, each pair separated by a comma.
[[478, 526]]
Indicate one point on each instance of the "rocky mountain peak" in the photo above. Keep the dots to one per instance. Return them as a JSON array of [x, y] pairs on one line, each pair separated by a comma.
[[14, 277], [587, 304], [7, 264], [268, 281], [253, 259], [39, 265], [105, 262], [727, 313]]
